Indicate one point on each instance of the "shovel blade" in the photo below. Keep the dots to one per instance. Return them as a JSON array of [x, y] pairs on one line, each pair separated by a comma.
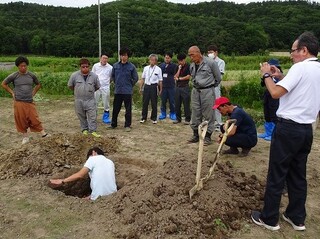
[[195, 189]]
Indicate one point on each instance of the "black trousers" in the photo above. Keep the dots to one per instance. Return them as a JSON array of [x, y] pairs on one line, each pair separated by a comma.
[[117, 104], [150, 93], [290, 146], [182, 96], [240, 140], [270, 107]]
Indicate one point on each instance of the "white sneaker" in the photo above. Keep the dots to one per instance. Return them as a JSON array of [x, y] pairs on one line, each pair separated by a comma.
[[25, 140], [142, 121], [300, 227], [154, 122]]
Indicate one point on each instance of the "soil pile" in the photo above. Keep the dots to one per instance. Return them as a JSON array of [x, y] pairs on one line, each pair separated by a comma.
[[51, 155], [151, 202], [158, 205]]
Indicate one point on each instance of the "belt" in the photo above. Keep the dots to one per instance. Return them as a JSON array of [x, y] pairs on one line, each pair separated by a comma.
[[151, 84], [288, 121], [206, 87]]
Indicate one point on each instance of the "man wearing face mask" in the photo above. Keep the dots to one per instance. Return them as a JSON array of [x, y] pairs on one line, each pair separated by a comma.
[[213, 52], [85, 83]]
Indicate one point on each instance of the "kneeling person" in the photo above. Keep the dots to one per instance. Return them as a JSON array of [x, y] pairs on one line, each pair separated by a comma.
[[244, 134], [101, 172]]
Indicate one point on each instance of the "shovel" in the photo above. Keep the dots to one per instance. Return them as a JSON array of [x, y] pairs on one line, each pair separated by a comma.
[[202, 130], [199, 182]]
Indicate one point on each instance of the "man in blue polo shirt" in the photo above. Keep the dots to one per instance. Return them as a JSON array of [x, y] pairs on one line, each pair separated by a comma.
[[169, 69], [244, 134]]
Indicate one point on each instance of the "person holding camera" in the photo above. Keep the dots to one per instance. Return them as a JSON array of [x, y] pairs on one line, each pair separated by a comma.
[[270, 106]]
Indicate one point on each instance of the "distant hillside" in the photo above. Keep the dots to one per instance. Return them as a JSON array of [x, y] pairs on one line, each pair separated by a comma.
[[155, 26]]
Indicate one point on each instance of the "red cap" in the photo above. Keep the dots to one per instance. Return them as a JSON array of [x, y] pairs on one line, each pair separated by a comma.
[[220, 101]]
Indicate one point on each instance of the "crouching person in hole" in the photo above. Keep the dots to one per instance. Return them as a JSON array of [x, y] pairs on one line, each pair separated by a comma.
[[25, 112], [101, 171], [244, 134]]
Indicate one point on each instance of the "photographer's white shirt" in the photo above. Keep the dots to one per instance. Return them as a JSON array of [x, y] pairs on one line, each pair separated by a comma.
[[102, 175], [302, 102]]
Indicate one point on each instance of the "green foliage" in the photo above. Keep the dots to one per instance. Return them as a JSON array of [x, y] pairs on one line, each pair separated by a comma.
[[55, 83], [219, 224], [155, 27], [246, 93]]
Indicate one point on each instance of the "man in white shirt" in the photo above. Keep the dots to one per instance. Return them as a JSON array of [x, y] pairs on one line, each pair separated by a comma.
[[151, 87], [292, 138], [101, 172], [103, 69], [213, 52]]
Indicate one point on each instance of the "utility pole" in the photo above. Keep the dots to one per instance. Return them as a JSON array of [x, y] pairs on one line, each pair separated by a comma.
[[119, 36], [99, 20]]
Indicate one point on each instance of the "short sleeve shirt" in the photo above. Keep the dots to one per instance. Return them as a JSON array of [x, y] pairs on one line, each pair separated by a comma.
[[245, 123], [23, 85], [168, 72], [152, 75], [185, 71], [302, 101], [221, 65], [84, 88], [102, 175]]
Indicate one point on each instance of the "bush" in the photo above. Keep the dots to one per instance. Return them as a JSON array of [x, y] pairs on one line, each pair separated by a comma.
[[246, 93], [55, 83]]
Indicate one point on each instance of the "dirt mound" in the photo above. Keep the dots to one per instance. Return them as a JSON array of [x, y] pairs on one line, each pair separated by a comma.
[[51, 155], [158, 205]]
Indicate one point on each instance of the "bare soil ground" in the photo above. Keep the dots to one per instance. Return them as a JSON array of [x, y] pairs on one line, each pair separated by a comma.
[[155, 169]]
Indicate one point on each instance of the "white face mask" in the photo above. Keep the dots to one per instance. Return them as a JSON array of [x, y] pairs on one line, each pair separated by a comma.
[[211, 55]]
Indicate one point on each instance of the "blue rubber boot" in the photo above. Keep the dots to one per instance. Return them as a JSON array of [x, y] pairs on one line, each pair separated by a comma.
[[163, 115], [265, 134], [270, 131], [173, 116], [105, 118]]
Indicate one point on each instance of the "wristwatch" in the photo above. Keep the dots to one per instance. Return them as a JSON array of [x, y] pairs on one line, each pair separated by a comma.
[[266, 75]]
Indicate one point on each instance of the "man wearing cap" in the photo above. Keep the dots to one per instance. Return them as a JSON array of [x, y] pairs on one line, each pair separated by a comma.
[[244, 134], [291, 143], [205, 77], [270, 106]]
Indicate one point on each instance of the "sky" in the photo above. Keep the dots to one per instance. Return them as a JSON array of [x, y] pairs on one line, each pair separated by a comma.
[[84, 3]]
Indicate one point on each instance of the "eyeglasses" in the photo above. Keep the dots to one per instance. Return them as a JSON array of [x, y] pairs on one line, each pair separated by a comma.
[[293, 50], [84, 66]]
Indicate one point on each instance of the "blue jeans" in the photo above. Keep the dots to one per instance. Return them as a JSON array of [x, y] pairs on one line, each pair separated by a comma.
[[168, 94]]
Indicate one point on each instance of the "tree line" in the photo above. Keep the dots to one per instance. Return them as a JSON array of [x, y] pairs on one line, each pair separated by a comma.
[[155, 26]]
